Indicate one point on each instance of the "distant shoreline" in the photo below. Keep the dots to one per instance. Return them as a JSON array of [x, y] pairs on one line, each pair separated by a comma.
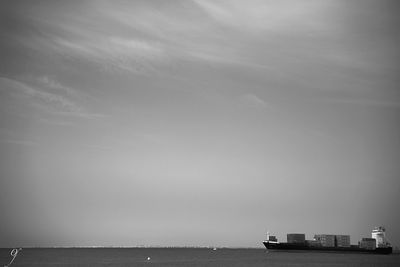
[[135, 247]]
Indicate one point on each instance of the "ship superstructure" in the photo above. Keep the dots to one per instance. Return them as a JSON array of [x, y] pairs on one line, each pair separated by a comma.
[[379, 234]]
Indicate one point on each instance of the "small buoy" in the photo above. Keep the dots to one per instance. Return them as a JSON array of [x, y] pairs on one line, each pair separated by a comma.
[[148, 258]]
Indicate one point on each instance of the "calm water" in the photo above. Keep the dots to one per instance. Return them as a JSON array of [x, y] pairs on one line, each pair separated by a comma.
[[188, 257]]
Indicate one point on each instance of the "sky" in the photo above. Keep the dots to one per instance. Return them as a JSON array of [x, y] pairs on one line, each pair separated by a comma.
[[197, 122]]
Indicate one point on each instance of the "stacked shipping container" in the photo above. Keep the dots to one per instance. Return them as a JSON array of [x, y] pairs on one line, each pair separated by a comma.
[[368, 243], [296, 238], [342, 241], [325, 240]]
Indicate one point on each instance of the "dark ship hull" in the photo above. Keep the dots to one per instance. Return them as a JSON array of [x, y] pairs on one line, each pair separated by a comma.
[[305, 247]]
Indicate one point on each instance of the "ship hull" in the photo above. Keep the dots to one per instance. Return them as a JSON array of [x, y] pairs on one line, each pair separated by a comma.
[[275, 246]]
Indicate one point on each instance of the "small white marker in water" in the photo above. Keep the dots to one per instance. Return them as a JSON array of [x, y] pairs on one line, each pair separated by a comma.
[[148, 258]]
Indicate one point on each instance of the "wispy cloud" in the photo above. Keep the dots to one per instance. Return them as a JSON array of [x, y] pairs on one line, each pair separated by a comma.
[[114, 53], [258, 15], [252, 100], [8, 136], [85, 33], [51, 102], [222, 12], [19, 142], [47, 81], [142, 37], [178, 32], [40, 97]]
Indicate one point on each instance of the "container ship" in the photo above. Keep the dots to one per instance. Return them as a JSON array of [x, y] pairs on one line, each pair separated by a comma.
[[376, 244]]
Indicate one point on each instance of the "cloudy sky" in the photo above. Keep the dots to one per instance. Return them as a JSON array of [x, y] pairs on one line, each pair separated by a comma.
[[177, 123]]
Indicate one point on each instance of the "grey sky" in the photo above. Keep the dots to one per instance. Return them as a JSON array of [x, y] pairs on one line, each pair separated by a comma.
[[197, 122]]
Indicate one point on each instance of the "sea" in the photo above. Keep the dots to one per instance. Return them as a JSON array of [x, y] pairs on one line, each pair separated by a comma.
[[188, 257]]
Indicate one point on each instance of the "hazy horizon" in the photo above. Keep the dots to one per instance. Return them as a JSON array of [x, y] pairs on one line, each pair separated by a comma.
[[197, 122]]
